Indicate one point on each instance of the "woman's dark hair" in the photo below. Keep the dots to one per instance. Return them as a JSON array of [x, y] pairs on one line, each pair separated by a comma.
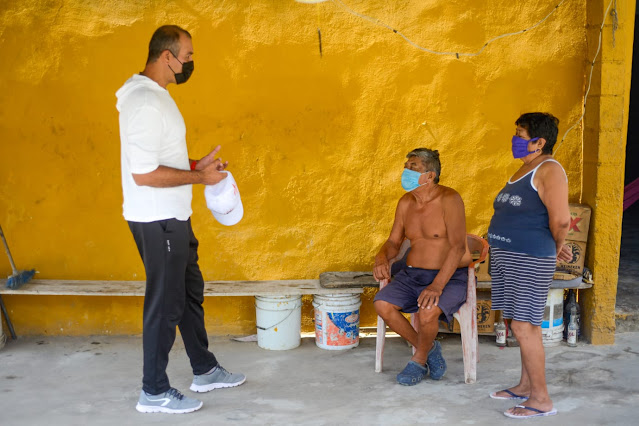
[[167, 37], [541, 125]]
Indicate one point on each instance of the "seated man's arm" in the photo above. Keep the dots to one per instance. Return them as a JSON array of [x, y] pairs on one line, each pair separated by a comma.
[[455, 220], [390, 249]]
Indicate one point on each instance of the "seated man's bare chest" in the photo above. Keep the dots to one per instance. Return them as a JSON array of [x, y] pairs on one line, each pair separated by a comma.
[[425, 221]]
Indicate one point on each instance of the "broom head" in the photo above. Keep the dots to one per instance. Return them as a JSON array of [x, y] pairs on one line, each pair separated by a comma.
[[15, 281]]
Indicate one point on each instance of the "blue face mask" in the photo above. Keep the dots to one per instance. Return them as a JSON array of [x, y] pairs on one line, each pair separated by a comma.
[[410, 179], [520, 146]]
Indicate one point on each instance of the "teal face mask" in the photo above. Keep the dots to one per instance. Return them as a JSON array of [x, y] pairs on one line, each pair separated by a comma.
[[410, 179]]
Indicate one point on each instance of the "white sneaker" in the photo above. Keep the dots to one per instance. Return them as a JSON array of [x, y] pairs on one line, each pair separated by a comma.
[[216, 379], [171, 401]]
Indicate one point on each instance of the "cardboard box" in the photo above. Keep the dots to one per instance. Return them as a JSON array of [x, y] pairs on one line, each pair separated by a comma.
[[576, 265], [449, 327], [485, 318], [562, 276], [482, 270], [579, 222]]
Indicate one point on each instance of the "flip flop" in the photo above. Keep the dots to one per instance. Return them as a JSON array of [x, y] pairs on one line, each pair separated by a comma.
[[538, 413], [513, 395]]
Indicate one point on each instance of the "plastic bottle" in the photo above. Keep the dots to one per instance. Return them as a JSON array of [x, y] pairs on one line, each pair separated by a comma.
[[571, 302], [500, 333], [572, 328]]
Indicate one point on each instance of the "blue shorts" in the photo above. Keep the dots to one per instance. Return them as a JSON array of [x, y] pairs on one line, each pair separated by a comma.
[[407, 285]]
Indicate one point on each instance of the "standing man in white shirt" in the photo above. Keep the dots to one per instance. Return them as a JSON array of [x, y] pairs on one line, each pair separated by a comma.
[[157, 178]]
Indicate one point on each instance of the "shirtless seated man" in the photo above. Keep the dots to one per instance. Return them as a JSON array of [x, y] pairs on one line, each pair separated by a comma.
[[435, 278]]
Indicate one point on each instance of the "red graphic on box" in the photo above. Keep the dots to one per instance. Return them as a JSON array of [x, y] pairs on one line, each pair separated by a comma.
[[573, 224]]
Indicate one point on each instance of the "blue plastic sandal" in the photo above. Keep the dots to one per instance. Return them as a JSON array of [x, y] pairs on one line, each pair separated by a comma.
[[412, 374], [436, 362], [536, 413], [512, 395]]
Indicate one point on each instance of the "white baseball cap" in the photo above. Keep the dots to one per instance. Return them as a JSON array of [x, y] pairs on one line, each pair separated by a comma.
[[223, 199]]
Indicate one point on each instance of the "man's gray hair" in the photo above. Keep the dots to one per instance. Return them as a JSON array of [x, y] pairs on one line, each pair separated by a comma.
[[430, 160]]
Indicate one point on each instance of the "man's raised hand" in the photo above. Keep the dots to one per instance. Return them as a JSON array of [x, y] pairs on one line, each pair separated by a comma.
[[209, 159]]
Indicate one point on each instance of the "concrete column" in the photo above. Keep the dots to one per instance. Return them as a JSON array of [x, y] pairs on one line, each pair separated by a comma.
[[605, 127]]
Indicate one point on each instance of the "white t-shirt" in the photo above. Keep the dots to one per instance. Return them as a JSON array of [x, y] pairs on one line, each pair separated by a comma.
[[152, 134]]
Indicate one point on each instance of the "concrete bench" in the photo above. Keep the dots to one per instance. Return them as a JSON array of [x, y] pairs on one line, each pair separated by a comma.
[[355, 280], [329, 283], [136, 288]]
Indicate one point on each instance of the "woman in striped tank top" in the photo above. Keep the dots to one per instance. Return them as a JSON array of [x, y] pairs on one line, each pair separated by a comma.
[[526, 236]]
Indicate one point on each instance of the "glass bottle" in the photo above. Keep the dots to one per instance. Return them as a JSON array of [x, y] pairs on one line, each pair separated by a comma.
[[500, 333], [572, 328], [571, 302]]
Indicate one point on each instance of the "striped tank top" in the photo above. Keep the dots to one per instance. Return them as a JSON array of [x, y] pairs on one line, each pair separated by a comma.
[[520, 223]]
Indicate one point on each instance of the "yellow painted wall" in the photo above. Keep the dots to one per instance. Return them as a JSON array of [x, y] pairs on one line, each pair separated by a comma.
[[316, 144]]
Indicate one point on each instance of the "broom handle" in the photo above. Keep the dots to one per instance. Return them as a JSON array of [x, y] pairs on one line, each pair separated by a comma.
[[6, 248], [6, 317]]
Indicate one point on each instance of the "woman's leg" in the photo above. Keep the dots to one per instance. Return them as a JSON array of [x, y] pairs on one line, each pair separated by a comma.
[[523, 387], [533, 367]]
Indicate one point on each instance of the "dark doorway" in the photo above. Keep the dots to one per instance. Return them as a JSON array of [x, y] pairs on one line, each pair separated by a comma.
[[627, 306], [632, 147]]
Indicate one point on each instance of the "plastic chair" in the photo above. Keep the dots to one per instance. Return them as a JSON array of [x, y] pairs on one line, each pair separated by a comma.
[[467, 314]]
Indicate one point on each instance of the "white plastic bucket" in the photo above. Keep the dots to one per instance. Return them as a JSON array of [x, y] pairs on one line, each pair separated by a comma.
[[336, 321], [279, 322], [552, 325]]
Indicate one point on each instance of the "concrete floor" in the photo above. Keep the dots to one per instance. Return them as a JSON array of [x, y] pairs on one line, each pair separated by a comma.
[[96, 380]]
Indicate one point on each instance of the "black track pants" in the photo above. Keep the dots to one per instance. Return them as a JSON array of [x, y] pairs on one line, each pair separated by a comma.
[[174, 296]]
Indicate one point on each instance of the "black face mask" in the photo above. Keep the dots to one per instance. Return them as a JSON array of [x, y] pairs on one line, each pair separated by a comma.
[[187, 70]]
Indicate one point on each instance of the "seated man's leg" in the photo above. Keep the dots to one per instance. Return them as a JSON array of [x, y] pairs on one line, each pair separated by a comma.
[[414, 371], [428, 329], [392, 316], [452, 298], [428, 348], [400, 296]]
